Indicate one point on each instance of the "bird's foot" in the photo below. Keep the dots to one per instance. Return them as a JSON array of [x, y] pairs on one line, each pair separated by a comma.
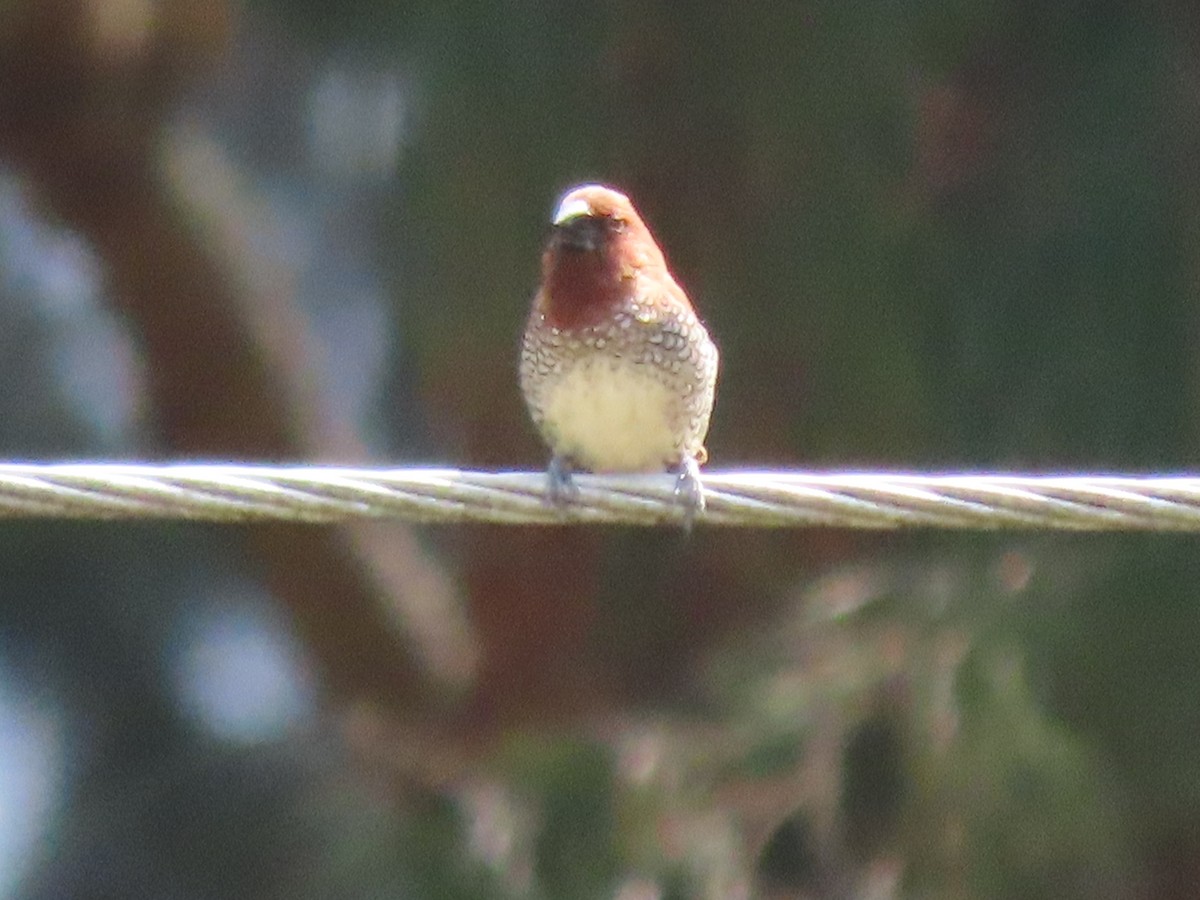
[[689, 491], [561, 489]]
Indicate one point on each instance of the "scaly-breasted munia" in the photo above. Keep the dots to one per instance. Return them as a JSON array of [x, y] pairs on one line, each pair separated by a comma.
[[618, 372]]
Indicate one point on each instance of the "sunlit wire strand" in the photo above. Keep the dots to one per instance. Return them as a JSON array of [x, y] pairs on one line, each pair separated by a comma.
[[222, 492]]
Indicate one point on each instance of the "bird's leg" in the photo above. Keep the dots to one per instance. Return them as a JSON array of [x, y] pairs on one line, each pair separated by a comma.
[[689, 491], [561, 489]]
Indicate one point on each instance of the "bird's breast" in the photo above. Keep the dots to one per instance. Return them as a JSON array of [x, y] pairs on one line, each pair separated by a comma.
[[613, 415]]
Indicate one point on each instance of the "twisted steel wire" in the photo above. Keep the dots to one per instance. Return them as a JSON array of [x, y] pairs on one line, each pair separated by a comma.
[[224, 492]]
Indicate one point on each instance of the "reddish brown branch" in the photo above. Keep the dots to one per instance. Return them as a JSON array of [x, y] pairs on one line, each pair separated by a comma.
[[228, 374]]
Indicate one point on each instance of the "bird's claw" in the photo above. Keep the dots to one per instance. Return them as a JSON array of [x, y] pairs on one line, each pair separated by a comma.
[[561, 489], [689, 491]]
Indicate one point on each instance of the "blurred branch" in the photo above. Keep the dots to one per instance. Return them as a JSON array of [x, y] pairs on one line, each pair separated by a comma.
[[83, 102]]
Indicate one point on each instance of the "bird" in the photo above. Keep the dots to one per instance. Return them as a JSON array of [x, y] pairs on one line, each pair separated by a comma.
[[617, 371]]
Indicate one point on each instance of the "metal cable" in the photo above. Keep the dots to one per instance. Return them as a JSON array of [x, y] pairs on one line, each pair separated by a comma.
[[224, 492]]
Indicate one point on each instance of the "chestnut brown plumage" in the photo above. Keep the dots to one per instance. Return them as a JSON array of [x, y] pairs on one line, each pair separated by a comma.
[[618, 372]]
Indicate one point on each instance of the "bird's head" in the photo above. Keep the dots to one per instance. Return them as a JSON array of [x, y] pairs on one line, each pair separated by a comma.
[[592, 219], [597, 246]]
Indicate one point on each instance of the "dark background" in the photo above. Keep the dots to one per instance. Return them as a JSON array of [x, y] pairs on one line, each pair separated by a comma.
[[925, 235]]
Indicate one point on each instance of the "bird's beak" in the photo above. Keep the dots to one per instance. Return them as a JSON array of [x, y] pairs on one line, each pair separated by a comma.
[[571, 208], [583, 233]]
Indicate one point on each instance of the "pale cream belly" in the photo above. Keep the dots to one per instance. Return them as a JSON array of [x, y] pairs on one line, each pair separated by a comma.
[[613, 419]]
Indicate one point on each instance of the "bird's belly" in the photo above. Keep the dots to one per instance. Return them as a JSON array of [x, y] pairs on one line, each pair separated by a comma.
[[613, 416]]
